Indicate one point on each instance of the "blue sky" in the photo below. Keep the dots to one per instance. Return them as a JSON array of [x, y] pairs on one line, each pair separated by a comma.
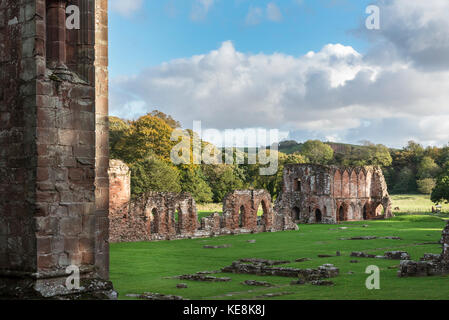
[[309, 68], [163, 30]]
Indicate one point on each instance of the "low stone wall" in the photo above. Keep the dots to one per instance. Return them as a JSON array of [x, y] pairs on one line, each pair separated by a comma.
[[430, 264]]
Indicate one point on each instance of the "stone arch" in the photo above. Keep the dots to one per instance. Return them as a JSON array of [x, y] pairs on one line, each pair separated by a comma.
[[264, 219], [178, 220], [241, 216], [365, 214], [342, 212], [296, 213], [318, 216], [154, 221]]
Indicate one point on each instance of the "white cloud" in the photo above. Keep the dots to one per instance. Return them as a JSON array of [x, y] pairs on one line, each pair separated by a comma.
[[273, 12], [395, 93], [254, 16], [200, 9], [126, 8]]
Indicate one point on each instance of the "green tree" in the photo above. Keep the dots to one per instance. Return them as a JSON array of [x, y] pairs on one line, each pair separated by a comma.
[[317, 152], [167, 119], [426, 186], [193, 182], [440, 193], [406, 181], [117, 130], [153, 174], [147, 136], [427, 168], [222, 179]]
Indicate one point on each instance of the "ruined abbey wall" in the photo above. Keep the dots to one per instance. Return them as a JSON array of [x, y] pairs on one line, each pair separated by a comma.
[[329, 194], [166, 215], [53, 147]]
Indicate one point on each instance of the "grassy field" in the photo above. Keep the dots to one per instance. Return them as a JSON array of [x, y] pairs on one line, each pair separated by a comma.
[[148, 266], [413, 203]]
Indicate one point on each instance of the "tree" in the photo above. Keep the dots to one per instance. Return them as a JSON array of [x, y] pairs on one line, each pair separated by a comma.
[[440, 193], [117, 130], [167, 119], [428, 168], [193, 182], [147, 136], [222, 180], [406, 181], [153, 174], [317, 152], [425, 186]]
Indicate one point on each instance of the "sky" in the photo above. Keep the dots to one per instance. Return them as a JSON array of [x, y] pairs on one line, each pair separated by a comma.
[[309, 68]]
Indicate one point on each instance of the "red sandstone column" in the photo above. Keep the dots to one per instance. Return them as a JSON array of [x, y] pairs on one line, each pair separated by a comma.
[[56, 33]]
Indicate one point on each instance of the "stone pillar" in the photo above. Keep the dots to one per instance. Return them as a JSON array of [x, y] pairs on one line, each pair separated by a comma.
[[56, 33], [53, 213]]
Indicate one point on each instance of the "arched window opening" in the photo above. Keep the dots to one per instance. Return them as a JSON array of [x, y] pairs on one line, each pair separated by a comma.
[[296, 214], [341, 214], [154, 221], [241, 216], [365, 212], [318, 216]]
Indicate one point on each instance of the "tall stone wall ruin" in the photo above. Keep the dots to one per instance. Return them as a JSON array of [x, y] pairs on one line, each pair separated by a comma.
[[329, 194], [53, 148]]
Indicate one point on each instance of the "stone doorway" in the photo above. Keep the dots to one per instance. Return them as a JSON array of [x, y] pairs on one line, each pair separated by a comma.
[[318, 216]]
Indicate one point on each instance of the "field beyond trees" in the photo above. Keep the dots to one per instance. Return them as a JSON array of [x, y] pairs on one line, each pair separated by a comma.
[[149, 266]]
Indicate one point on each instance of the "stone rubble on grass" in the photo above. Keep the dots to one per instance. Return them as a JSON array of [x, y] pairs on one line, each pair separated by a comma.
[[257, 283], [155, 296], [201, 277], [303, 260], [277, 294], [322, 283], [264, 261], [390, 255], [181, 286], [371, 238], [217, 247], [325, 271]]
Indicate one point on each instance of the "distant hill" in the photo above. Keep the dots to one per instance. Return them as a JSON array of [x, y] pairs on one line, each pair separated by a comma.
[[292, 146]]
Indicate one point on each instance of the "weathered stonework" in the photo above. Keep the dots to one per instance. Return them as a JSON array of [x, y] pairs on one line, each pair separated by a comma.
[[166, 215], [430, 264], [329, 194], [53, 149]]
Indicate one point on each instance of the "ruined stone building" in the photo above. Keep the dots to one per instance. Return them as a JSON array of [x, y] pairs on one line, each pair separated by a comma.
[[54, 184], [167, 215], [329, 194]]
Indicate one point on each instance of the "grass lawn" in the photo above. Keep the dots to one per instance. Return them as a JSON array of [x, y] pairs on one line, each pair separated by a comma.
[[143, 267], [415, 203]]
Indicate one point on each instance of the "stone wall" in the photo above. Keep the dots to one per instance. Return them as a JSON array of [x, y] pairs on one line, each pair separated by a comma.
[[165, 215], [430, 264], [329, 194], [53, 154]]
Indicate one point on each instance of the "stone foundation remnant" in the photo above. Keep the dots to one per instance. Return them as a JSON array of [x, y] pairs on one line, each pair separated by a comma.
[[53, 150], [330, 194], [430, 264], [262, 269], [167, 216]]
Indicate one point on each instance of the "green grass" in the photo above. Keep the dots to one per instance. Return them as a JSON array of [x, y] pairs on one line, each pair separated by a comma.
[[143, 267], [415, 203]]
